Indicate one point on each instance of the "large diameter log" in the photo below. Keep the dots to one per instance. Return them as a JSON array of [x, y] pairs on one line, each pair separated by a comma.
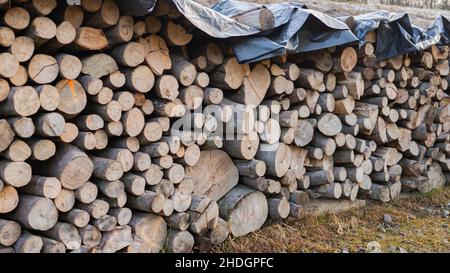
[[244, 209], [277, 158], [35, 213], [214, 175], [149, 232], [71, 166]]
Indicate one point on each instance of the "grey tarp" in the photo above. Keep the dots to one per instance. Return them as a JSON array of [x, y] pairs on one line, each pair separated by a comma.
[[298, 29], [396, 34]]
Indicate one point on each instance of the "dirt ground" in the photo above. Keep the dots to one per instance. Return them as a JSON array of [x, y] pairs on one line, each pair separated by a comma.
[[419, 16], [414, 223]]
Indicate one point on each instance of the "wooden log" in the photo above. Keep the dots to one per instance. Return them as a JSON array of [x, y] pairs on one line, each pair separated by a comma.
[[9, 232], [18, 151], [66, 31], [52, 246], [96, 209], [69, 66], [22, 48], [71, 166], [254, 87], [176, 35], [21, 101], [76, 217], [90, 236], [16, 174], [35, 213], [238, 204], [145, 241], [7, 36], [122, 32], [179, 241], [134, 76], [213, 177], [65, 200], [17, 18], [116, 239], [72, 97], [107, 169], [49, 187], [66, 234], [28, 243], [229, 75]]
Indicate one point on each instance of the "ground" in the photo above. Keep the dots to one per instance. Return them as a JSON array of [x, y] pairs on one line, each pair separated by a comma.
[[418, 224], [419, 16]]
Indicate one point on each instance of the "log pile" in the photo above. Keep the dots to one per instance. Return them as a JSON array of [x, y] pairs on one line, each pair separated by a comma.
[[129, 134]]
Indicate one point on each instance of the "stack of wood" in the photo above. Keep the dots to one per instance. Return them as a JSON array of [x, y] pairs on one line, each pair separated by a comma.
[[129, 134]]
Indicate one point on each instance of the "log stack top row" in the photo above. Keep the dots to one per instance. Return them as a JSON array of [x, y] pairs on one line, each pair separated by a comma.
[[138, 134]]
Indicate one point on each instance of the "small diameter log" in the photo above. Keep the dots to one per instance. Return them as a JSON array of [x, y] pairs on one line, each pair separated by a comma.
[[71, 166], [35, 213], [179, 241], [52, 246], [130, 54], [65, 200], [76, 217], [148, 202], [96, 209], [22, 126], [73, 98], [16, 174], [108, 169], [18, 151], [90, 236], [49, 187], [21, 101], [28, 243], [116, 239], [277, 158], [9, 232], [69, 66], [123, 215], [49, 97], [176, 35], [278, 208], [66, 234]]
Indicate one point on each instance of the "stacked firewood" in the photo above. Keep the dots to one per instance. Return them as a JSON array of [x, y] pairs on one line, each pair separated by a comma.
[[130, 134]]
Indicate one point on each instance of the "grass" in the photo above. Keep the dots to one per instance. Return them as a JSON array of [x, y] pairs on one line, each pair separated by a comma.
[[413, 229]]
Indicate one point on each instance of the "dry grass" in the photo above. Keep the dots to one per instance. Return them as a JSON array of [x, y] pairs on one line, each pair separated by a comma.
[[412, 229]]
